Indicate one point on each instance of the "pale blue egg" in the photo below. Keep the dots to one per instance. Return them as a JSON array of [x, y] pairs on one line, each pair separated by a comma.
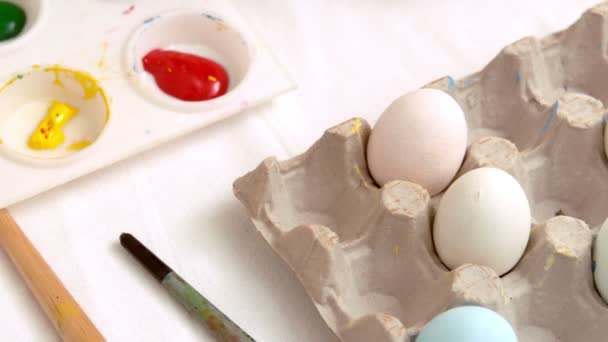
[[468, 324]]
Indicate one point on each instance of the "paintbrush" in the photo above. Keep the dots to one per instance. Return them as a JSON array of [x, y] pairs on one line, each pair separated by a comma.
[[67, 317], [224, 329]]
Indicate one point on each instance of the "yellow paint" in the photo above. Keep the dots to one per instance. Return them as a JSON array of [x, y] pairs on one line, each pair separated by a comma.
[[549, 262], [13, 80], [1, 141], [8, 83], [89, 84], [108, 71], [356, 127], [36, 66], [102, 60], [80, 145], [65, 311], [211, 78], [57, 80], [360, 174], [221, 27], [397, 249], [48, 134], [566, 251]]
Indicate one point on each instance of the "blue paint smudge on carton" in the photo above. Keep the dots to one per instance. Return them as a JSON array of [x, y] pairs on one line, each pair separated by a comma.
[[451, 83], [552, 113]]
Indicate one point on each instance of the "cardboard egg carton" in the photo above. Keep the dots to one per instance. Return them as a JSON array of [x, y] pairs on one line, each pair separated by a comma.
[[365, 254]]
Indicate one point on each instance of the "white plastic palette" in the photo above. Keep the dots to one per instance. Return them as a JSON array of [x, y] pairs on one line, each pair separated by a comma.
[[106, 40]]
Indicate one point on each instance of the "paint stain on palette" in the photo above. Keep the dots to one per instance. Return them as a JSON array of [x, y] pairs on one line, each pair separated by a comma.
[[102, 61], [129, 10], [106, 70]]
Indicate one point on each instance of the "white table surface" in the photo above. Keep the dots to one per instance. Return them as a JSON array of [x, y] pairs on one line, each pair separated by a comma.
[[350, 58]]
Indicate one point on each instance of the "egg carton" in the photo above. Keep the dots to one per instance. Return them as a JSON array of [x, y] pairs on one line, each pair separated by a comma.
[[365, 254]]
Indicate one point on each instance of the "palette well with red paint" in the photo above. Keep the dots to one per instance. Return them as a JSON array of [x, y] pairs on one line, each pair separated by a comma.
[[87, 83]]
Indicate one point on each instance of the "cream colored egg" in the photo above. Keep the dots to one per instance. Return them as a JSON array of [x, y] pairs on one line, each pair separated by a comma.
[[421, 137], [483, 218]]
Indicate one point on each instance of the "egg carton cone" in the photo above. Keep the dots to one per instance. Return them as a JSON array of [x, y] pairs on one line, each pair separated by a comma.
[[365, 254]]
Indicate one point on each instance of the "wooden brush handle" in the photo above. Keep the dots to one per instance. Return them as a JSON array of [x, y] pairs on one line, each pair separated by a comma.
[[69, 320]]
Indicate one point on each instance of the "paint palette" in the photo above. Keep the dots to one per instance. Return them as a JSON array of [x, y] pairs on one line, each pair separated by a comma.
[[87, 54], [365, 254]]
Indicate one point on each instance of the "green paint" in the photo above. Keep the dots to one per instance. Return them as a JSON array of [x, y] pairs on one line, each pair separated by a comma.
[[203, 310], [19, 76], [12, 20]]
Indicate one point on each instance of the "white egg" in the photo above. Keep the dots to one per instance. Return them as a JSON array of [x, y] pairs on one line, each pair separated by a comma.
[[483, 218], [422, 138], [600, 257]]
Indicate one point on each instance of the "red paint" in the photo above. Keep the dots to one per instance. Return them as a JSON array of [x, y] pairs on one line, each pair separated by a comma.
[[128, 10], [186, 76]]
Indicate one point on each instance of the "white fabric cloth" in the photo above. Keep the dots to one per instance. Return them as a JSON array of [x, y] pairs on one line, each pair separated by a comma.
[[350, 58]]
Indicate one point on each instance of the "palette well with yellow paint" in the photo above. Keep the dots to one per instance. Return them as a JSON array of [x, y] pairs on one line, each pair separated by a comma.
[[50, 113], [75, 98]]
